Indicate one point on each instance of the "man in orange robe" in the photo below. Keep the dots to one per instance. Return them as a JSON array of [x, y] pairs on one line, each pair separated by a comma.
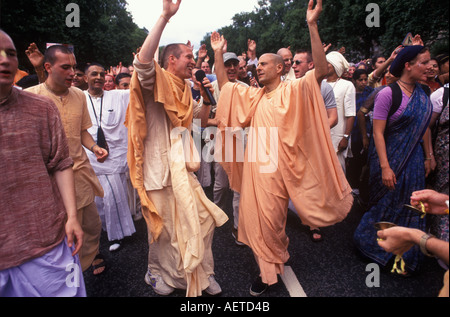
[[297, 161]]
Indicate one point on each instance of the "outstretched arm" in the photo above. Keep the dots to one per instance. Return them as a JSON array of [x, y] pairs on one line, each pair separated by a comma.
[[399, 240], [318, 54], [151, 43], [218, 43], [379, 72]]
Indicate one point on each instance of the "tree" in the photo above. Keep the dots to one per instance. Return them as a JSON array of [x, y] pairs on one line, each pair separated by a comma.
[[281, 23], [107, 33]]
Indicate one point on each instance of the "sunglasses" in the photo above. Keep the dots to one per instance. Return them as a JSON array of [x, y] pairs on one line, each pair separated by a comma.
[[297, 62]]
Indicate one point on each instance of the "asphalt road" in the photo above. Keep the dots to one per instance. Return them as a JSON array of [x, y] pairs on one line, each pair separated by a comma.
[[331, 268]]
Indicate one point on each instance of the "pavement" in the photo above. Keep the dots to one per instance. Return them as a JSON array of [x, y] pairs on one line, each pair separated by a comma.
[[331, 268]]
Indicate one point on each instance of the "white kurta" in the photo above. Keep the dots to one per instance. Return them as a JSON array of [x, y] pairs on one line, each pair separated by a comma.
[[113, 208], [345, 95], [115, 103]]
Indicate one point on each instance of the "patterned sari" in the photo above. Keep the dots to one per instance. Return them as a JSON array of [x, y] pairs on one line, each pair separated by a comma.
[[406, 158]]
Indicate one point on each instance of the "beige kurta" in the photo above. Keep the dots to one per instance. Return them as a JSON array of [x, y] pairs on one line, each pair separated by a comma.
[[75, 118], [298, 162], [179, 216]]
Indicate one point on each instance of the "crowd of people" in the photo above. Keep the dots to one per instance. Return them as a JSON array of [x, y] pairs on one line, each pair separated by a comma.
[[92, 148]]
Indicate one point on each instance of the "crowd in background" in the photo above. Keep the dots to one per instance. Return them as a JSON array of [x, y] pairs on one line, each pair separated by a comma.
[[413, 140]]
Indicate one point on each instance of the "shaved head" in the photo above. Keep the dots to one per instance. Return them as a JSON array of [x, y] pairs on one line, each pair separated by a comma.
[[171, 49], [276, 59], [8, 63], [5, 35], [270, 68]]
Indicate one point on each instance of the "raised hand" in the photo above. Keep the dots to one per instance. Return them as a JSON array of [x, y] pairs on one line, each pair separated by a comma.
[[202, 52], [326, 47], [218, 42], [190, 45], [35, 56], [395, 52], [170, 8], [251, 45], [417, 40], [312, 15]]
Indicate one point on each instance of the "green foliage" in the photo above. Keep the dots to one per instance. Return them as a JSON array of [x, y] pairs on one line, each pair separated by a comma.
[[107, 33], [282, 23]]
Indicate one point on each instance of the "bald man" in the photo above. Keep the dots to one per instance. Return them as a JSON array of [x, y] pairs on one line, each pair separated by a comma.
[[288, 73], [41, 234], [289, 154]]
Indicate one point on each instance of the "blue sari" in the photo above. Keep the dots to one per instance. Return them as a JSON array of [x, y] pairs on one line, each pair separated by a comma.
[[406, 158]]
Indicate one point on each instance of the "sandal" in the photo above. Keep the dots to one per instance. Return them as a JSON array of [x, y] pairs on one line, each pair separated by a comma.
[[315, 232], [100, 265]]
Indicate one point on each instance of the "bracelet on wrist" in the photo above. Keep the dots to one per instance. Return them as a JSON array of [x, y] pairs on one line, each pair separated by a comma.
[[92, 147], [423, 244], [167, 20], [364, 110]]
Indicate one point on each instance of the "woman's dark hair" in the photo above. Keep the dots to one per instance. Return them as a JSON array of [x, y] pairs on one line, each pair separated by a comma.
[[358, 73]]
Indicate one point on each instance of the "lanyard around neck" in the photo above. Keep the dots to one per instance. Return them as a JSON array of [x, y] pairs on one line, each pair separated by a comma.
[[95, 113]]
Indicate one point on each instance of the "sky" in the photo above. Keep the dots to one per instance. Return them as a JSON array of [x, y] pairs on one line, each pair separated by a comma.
[[194, 19]]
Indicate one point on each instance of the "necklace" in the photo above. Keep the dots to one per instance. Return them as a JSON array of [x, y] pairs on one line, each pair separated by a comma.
[[404, 82], [404, 87]]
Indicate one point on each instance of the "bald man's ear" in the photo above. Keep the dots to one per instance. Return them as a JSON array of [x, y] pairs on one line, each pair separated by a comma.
[[280, 68]]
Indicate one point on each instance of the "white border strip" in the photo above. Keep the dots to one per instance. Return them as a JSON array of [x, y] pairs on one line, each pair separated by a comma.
[[292, 284]]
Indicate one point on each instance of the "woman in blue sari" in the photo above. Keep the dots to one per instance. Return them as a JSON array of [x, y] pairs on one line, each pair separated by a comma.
[[398, 156]]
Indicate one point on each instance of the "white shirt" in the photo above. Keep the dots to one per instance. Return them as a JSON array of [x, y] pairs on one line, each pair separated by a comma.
[[436, 99], [345, 95], [115, 104]]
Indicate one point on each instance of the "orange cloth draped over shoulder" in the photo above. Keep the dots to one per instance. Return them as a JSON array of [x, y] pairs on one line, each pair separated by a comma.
[[175, 94], [307, 168]]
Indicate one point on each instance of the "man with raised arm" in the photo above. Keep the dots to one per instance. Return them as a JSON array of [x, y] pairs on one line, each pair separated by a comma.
[[297, 162], [180, 218]]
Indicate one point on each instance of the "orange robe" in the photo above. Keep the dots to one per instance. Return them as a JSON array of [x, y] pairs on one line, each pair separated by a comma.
[[302, 165]]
